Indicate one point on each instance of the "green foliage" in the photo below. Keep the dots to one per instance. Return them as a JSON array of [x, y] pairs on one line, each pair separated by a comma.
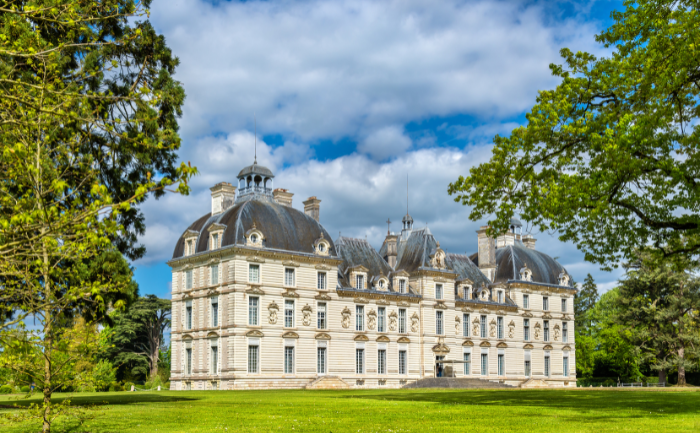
[[609, 159], [584, 302], [103, 375], [5, 389]]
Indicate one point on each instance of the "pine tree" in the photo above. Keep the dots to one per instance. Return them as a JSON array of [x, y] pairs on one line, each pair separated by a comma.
[[584, 301]]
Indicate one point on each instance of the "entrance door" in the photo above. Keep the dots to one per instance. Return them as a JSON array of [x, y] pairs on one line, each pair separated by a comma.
[[439, 368]]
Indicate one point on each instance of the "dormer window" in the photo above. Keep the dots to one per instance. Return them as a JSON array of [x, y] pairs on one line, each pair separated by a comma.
[[321, 246], [359, 282], [501, 296], [381, 284], [563, 279], [525, 273], [214, 241], [402, 286], [254, 237], [189, 249]]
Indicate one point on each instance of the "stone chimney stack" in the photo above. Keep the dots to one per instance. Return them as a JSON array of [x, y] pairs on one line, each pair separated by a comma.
[[312, 207], [282, 196], [391, 249], [487, 253], [222, 197], [529, 241]]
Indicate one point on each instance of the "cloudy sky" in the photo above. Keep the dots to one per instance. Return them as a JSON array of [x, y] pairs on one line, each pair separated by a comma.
[[351, 97]]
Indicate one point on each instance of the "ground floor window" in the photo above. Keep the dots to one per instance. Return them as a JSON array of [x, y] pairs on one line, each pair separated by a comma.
[[402, 362], [188, 361], [214, 360], [381, 361], [528, 368], [467, 364], [566, 366], [546, 365], [501, 364], [484, 364], [321, 360], [359, 361], [253, 358], [289, 360]]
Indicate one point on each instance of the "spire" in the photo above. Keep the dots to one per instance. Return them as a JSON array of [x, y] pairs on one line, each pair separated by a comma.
[[388, 226], [255, 122]]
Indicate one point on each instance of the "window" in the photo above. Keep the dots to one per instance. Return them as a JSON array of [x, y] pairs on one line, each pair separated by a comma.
[[439, 328], [321, 281], [500, 296], [456, 291], [484, 364], [381, 361], [381, 320], [545, 303], [253, 310], [402, 362], [359, 282], [188, 361], [381, 284], [563, 305], [501, 364], [359, 361], [215, 311], [289, 360], [526, 301], [564, 332], [321, 360], [188, 315], [253, 352], [402, 286], [483, 326], [254, 273], [465, 325], [359, 318], [546, 365], [289, 277], [214, 241], [499, 322], [188, 279], [526, 329], [566, 365], [189, 247], [214, 274], [214, 360], [546, 330], [321, 316], [438, 291], [467, 364], [528, 364], [288, 313], [402, 320]]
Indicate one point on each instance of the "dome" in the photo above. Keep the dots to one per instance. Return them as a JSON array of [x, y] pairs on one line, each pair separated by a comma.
[[283, 227], [407, 218], [256, 169], [511, 259]]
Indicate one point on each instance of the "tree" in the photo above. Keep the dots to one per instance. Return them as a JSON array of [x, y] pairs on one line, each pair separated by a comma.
[[658, 305], [584, 301], [609, 158]]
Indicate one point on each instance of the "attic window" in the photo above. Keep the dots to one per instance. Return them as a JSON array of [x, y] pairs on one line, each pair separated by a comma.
[[402, 286], [381, 284], [525, 273], [359, 282], [188, 247], [254, 238], [563, 279]]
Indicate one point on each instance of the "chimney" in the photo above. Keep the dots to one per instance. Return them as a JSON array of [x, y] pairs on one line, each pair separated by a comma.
[[529, 241], [222, 197], [282, 196], [312, 207], [391, 250], [487, 253]]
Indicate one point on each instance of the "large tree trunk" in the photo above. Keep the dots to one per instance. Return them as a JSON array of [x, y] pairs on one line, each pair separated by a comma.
[[662, 376], [48, 348], [681, 366]]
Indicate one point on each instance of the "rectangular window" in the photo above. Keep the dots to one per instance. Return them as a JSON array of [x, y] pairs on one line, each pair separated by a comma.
[[528, 368], [188, 361], [526, 329], [288, 313], [215, 311], [214, 360], [439, 328], [254, 273], [321, 316], [500, 297], [501, 364], [359, 282], [402, 286], [546, 330], [564, 332], [438, 291], [563, 305], [359, 318], [214, 274], [546, 365], [188, 316], [381, 319], [253, 311], [499, 322], [566, 366], [526, 301], [467, 364], [465, 325], [483, 326], [289, 277], [360, 361], [321, 360], [545, 303], [381, 361], [188, 248], [484, 364], [253, 352], [402, 320], [188, 279], [289, 360], [214, 241], [402, 362], [321, 281]]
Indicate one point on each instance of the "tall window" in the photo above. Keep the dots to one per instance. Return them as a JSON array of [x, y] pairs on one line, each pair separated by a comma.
[[526, 301], [321, 281], [254, 273], [288, 313], [465, 325], [566, 365], [359, 282], [381, 361], [402, 362], [253, 309], [381, 319], [438, 291], [501, 364], [526, 329], [215, 311], [564, 332], [546, 365], [402, 286], [253, 358], [321, 316], [321, 360], [214, 241], [402, 320], [289, 360], [483, 326], [499, 322], [546, 330], [214, 360], [289, 277], [188, 361], [189, 248], [214, 274], [563, 305], [359, 361], [188, 315], [188, 279], [359, 318], [500, 296], [484, 364], [439, 326], [467, 364], [545, 303], [528, 364]]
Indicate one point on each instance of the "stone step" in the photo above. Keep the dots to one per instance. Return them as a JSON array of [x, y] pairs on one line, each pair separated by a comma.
[[328, 382], [453, 382]]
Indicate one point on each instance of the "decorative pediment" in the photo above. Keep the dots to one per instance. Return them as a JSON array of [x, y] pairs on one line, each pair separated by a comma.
[[358, 268], [440, 279], [567, 347], [468, 343], [189, 234], [527, 314], [254, 290], [502, 345], [565, 317], [216, 227], [546, 316], [484, 311], [322, 297], [441, 348], [255, 259], [400, 273], [186, 337], [467, 309], [290, 334], [528, 346], [547, 347], [485, 344], [290, 293], [361, 337], [383, 339], [254, 237], [440, 305], [360, 300], [383, 302], [403, 340], [291, 263], [322, 267], [323, 336], [254, 333], [403, 304], [500, 313]]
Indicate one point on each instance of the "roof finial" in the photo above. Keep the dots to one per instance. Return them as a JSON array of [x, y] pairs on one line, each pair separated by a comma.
[[406, 193], [255, 120], [388, 226]]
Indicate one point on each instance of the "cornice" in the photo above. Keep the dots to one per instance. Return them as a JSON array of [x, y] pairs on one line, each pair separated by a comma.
[[234, 251]]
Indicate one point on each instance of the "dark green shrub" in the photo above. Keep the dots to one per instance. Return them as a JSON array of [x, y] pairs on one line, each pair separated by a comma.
[[24, 389], [5, 389]]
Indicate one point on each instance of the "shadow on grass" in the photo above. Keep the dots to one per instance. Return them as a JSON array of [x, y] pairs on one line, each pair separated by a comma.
[[99, 399]]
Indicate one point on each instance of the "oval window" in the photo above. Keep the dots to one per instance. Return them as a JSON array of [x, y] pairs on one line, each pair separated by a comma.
[[322, 247], [254, 239]]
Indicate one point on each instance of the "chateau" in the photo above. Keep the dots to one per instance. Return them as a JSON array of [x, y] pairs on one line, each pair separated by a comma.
[[264, 298]]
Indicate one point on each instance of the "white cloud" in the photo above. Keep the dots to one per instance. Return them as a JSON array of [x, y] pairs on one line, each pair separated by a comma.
[[385, 143]]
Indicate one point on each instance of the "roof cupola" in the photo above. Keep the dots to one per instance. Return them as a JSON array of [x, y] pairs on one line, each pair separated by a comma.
[[255, 180]]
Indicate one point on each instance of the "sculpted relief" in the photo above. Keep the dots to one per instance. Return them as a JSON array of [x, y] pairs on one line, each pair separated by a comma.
[[306, 312], [346, 318], [492, 328], [511, 329], [475, 329], [414, 322], [273, 309], [392, 320], [538, 330], [458, 322], [371, 320], [556, 332]]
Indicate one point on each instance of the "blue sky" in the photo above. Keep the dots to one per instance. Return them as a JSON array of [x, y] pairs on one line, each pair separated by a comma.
[[351, 97]]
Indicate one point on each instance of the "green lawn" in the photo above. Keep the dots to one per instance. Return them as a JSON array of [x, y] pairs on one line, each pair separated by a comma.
[[389, 411]]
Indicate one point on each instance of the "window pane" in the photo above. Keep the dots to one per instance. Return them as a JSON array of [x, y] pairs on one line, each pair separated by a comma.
[[359, 361], [438, 323], [546, 366], [402, 362], [381, 361], [483, 326], [381, 319], [564, 332], [289, 360], [321, 316], [500, 327], [254, 273], [545, 303], [566, 366], [467, 364], [438, 291], [289, 277], [402, 321], [214, 360], [465, 325], [214, 274], [359, 318], [501, 365], [188, 317], [289, 313], [321, 281], [214, 313], [188, 361], [526, 301], [402, 286], [321, 360], [527, 369], [526, 329], [188, 279], [252, 359], [563, 305], [484, 364], [253, 311]]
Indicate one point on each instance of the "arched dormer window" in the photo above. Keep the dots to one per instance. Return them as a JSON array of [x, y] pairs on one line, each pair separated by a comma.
[[254, 237], [216, 233], [321, 246], [525, 273], [190, 242], [564, 279]]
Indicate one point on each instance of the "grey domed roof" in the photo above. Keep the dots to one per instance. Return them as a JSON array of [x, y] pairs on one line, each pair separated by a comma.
[[255, 169], [283, 227], [407, 218]]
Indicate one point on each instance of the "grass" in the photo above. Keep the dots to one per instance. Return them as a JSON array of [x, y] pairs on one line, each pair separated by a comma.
[[386, 411]]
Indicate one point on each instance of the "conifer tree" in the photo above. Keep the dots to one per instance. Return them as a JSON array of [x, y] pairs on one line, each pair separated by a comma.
[[584, 301]]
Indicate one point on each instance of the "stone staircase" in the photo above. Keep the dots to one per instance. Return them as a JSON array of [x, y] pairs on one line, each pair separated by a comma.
[[454, 382], [328, 382]]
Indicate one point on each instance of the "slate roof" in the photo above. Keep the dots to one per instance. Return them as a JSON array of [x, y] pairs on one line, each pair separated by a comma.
[[256, 169], [414, 253], [465, 268]]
